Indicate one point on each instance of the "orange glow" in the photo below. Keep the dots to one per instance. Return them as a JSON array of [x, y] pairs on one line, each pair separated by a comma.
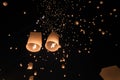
[[31, 78], [76, 22], [5, 3], [35, 73], [63, 66], [30, 66], [110, 73], [34, 43], [52, 43]]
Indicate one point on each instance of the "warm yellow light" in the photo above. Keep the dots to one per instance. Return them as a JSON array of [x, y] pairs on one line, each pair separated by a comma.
[[30, 66], [63, 66], [34, 47], [31, 78], [5, 3], [52, 43], [77, 23], [34, 43], [35, 73], [21, 65]]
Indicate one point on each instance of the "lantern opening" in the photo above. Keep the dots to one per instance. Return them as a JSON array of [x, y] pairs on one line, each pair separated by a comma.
[[33, 47], [52, 45]]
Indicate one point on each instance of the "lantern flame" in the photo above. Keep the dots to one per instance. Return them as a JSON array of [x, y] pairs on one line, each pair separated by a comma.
[[34, 46], [53, 45]]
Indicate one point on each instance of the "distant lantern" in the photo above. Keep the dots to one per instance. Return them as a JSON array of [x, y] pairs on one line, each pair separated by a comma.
[[34, 43], [30, 66], [31, 78], [77, 23], [52, 43], [5, 3], [63, 66], [35, 73]]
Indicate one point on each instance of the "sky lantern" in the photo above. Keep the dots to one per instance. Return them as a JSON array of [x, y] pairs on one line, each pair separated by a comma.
[[34, 43], [5, 3], [30, 66], [52, 43], [110, 73], [31, 78]]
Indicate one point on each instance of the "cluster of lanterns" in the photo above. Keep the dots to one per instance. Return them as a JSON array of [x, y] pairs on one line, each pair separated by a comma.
[[34, 43]]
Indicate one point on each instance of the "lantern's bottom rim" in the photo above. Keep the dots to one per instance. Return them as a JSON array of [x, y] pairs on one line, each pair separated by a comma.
[[32, 47]]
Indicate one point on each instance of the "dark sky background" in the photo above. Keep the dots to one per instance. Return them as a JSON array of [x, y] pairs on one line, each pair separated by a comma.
[[89, 36]]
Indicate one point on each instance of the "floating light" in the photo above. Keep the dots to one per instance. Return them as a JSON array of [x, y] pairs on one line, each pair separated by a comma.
[[52, 43], [5, 4], [30, 66], [34, 43], [31, 78]]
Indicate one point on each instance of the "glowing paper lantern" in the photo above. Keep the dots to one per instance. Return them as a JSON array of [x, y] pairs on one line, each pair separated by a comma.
[[31, 78], [52, 43], [35, 73], [110, 73], [34, 43], [5, 3], [63, 66], [30, 66]]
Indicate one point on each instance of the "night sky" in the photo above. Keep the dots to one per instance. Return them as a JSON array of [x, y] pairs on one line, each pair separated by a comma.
[[89, 38]]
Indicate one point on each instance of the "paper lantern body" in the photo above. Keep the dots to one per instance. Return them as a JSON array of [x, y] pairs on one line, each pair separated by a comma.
[[34, 43], [52, 43], [110, 73], [31, 78], [5, 3], [30, 66]]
